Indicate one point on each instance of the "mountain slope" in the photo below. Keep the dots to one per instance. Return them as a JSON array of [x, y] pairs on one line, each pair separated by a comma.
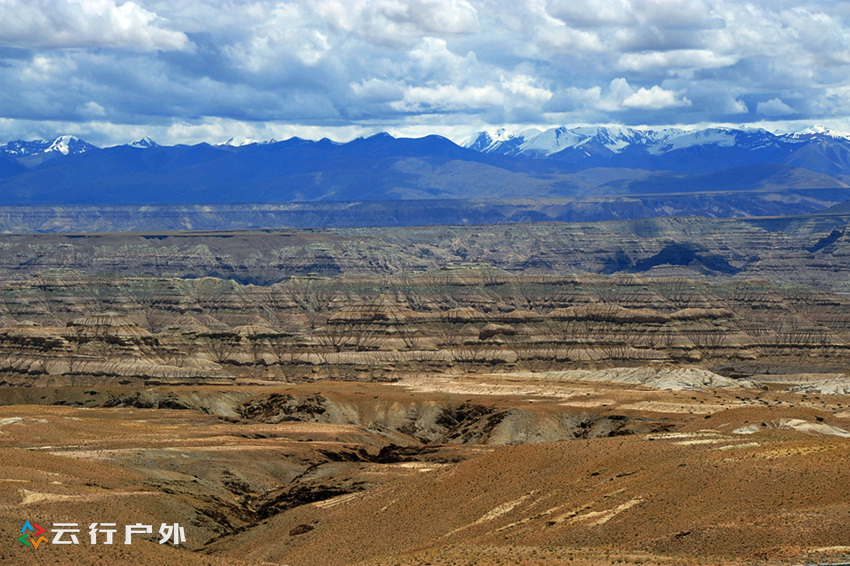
[[379, 167], [703, 151], [746, 178], [561, 162]]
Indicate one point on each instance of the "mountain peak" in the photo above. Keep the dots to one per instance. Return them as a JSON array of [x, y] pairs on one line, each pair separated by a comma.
[[818, 130], [144, 143], [240, 141], [68, 144], [21, 148], [65, 145], [500, 141], [488, 140], [534, 143]]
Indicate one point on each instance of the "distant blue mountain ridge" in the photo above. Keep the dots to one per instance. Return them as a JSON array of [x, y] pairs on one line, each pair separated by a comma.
[[560, 162]]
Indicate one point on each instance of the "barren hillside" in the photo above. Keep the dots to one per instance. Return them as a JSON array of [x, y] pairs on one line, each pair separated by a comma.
[[480, 469]]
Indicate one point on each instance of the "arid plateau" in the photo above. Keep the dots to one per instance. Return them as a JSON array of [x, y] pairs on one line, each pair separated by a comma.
[[660, 391]]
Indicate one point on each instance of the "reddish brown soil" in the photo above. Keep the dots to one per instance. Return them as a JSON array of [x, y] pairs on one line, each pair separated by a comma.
[[680, 487]]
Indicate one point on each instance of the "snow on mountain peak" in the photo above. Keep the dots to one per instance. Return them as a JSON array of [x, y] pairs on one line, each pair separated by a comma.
[[498, 141], [21, 148], [721, 137], [67, 144], [535, 143], [618, 139], [240, 141], [554, 140], [144, 143], [485, 140], [62, 144], [818, 130], [501, 134], [613, 138]]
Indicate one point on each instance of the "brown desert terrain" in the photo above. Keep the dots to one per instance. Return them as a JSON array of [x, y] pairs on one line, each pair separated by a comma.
[[483, 469], [692, 412]]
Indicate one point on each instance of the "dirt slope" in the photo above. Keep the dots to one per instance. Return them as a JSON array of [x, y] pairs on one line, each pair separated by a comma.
[[496, 470]]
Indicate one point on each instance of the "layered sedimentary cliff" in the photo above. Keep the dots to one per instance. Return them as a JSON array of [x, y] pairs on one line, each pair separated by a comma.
[[811, 250], [66, 327]]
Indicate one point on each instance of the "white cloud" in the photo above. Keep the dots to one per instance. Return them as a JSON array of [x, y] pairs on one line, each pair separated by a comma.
[[676, 59], [527, 88], [91, 109], [735, 106], [393, 64], [677, 14], [820, 34], [558, 36], [376, 90], [654, 98], [774, 107], [432, 60], [658, 14], [601, 13], [397, 22], [835, 96], [448, 98], [84, 23], [44, 67], [622, 96], [280, 36]]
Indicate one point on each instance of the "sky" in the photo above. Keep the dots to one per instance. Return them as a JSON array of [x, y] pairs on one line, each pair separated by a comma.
[[186, 71]]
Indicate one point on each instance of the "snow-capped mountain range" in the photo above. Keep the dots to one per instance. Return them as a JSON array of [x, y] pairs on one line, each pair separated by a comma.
[[498, 164], [671, 149], [72, 145], [66, 145], [618, 139], [536, 143], [586, 140]]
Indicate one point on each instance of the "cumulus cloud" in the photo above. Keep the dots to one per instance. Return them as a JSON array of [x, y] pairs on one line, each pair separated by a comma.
[[85, 23], [620, 96], [363, 65], [603, 13], [735, 106], [774, 107], [376, 90], [560, 37], [395, 23], [448, 98], [91, 109], [654, 98], [674, 60], [526, 87], [43, 67], [691, 15]]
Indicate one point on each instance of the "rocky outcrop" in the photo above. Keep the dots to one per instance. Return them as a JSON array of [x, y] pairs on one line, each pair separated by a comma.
[[492, 329], [836, 386], [669, 378], [432, 423], [702, 313], [609, 313]]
